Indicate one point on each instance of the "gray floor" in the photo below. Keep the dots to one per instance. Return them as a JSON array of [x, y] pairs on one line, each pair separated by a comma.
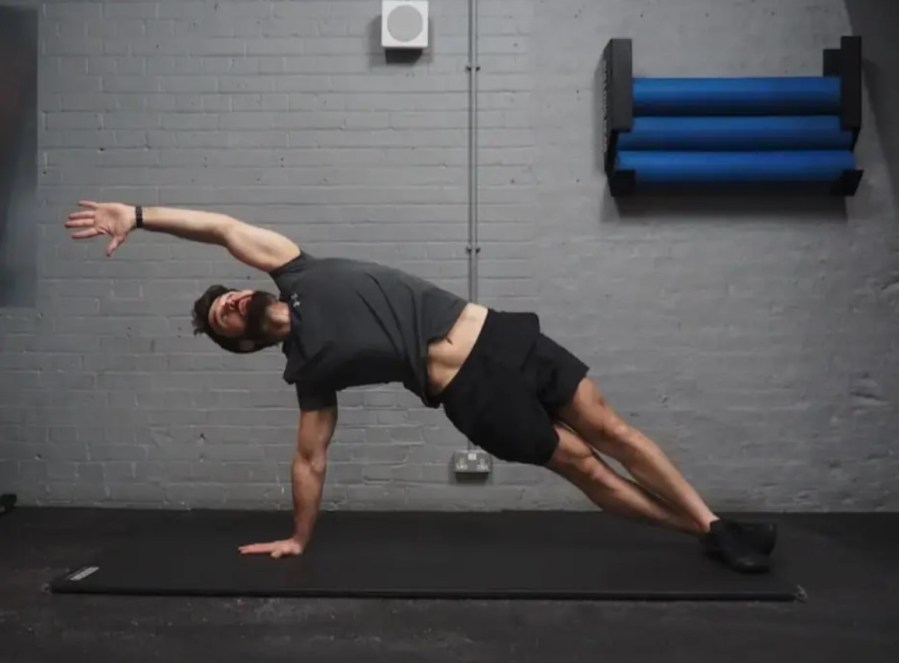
[[848, 564]]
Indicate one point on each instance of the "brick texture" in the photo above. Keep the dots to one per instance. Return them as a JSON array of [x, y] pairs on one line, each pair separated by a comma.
[[754, 339]]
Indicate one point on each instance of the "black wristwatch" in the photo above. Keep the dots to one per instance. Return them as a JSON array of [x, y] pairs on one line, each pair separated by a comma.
[[139, 215]]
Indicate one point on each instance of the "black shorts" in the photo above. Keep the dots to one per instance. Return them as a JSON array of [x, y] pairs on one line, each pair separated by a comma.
[[506, 396]]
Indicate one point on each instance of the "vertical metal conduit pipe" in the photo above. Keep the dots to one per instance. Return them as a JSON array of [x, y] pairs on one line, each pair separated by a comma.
[[473, 67]]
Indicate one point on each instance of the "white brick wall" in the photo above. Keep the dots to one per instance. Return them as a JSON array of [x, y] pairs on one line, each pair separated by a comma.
[[753, 339]]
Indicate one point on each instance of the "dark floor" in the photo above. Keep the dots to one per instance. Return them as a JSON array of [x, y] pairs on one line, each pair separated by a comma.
[[848, 565]]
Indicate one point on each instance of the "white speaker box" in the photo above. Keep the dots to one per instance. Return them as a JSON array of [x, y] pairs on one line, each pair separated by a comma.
[[404, 23]]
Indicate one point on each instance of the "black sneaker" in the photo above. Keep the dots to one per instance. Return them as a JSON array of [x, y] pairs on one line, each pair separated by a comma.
[[761, 536], [727, 542]]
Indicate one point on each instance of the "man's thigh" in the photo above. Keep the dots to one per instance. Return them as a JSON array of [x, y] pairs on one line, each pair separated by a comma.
[[500, 412], [556, 374], [592, 417]]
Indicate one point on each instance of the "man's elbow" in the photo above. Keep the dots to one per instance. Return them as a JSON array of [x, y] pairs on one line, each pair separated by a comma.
[[229, 230]]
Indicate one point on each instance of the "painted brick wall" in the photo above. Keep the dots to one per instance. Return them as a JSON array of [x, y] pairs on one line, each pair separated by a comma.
[[754, 339]]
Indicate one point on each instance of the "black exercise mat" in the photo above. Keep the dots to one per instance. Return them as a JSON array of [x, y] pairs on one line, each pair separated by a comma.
[[541, 555]]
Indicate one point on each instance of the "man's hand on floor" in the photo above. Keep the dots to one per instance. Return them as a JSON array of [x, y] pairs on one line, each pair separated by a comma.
[[284, 548]]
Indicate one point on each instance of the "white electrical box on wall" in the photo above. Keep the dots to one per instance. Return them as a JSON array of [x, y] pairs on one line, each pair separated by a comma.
[[404, 23]]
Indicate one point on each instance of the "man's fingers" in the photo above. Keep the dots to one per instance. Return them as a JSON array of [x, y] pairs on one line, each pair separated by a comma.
[[89, 204], [81, 222], [276, 549], [86, 214], [257, 548], [86, 234]]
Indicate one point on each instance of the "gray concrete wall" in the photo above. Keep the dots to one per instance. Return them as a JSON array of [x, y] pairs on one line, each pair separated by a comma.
[[754, 339]]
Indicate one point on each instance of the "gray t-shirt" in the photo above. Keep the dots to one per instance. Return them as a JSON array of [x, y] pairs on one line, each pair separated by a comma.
[[357, 323]]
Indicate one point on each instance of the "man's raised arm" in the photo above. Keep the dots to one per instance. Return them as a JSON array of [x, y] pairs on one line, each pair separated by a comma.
[[257, 247]]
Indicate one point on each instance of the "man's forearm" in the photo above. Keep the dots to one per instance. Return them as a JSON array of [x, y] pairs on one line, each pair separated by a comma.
[[307, 479], [207, 227]]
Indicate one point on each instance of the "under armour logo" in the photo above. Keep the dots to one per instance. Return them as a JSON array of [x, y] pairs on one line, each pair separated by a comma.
[[295, 301]]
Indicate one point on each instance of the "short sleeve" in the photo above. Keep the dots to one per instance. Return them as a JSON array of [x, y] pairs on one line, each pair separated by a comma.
[[315, 399], [293, 266]]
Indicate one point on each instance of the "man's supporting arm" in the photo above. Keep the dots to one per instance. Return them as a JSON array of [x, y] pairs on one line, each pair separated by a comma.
[[308, 478], [309, 469]]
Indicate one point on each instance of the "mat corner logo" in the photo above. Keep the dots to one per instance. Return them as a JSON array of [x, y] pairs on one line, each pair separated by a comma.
[[83, 573]]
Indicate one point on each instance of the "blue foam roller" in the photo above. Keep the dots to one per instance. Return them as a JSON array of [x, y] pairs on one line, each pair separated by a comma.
[[736, 133], [725, 167], [744, 96]]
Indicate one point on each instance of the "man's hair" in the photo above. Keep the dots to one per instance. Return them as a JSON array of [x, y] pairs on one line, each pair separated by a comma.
[[201, 321]]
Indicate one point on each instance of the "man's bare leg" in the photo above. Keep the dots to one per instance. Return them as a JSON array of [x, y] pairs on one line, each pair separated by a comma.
[[596, 422], [576, 461]]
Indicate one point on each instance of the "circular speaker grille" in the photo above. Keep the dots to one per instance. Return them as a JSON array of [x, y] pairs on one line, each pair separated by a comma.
[[404, 23]]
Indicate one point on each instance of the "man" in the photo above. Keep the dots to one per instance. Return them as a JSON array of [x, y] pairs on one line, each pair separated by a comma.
[[511, 390]]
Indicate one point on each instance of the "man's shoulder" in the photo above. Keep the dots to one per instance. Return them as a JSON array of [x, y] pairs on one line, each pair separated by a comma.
[[293, 266]]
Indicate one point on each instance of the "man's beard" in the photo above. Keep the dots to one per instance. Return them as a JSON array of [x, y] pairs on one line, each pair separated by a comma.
[[257, 315]]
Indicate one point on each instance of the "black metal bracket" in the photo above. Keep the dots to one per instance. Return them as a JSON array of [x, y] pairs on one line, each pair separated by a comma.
[[622, 182], [618, 96], [847, 184], [846, 64]]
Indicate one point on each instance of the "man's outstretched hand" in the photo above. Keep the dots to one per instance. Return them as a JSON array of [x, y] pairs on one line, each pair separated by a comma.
[[285, 548], [112, 219]]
